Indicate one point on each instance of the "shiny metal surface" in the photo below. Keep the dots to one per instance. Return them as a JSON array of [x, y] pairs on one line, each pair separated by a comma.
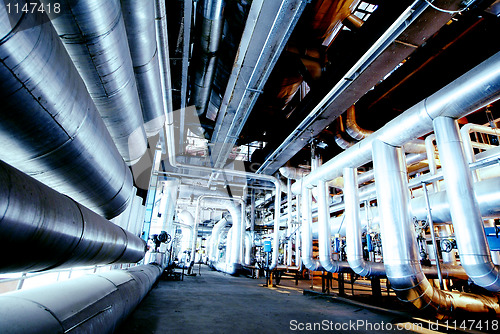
[[354, 244], [324, 235], [95, 303], [209, 31], [306, 232], [473, 90], [464, 207], [268, 26], [399, 245], [48, 229], [139, 17], [53, 133], [214, 240], [93, 33]]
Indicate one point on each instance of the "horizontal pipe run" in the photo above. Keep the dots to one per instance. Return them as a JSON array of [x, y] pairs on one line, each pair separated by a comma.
[[49, 122], [139, 17], [42, 229], [473, 90], [93, 32], [96, 303]]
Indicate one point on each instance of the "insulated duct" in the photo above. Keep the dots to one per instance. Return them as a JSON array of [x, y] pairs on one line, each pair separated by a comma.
[[42, 229], [208, 37], [214, 240], [399, 245], [139, 17], [93, 33], [473, 90], [95, 303], [49, 125]]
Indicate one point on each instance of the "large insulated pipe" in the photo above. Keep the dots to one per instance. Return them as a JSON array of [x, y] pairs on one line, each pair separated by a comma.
[[49, 125], [236, 242], [324, 234], [42, 229], [354, 244], [95, 303], [473, 90], [139, 17], [214, 240], [93, 33], [355, 131], [306, 233], [208, 36], [399, 243], [464, 208]]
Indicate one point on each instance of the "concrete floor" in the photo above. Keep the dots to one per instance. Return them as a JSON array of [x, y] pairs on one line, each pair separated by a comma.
[[214, 302]]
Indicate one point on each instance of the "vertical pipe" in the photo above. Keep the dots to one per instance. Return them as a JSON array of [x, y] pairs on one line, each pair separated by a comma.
[[464, 208], [324, 233], [433, 234], [354, 243], [307, 247], [289, 222]]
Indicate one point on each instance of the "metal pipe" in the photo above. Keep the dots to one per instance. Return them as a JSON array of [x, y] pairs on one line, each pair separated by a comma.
[[307, 242], [248, 249], [42, 229], [467, 143], [65, 143], [88, 304], [433, 235], [238, 223], [93, 33], [214, 240], [289, 222], [465, 211], [473, 90], [324, 235], [210, 13], [354, 244], [399, 246], [139, 17]]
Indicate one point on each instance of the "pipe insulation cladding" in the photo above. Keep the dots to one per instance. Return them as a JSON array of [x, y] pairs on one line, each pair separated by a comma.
[[49, 126], [41, 229], [95, 303], [93, 33], [139, 19]]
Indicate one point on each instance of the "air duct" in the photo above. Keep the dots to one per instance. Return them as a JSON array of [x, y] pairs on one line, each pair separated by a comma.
[[214, 241], [93, 33], [42, 229], [95, 303], [49, 123], [464, 208], [139, 17], [399, 246]]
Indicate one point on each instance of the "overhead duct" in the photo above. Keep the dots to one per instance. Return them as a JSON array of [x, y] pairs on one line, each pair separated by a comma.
[[96, 303], [42, 229], [399, 245], [208, 37], [139, 17], [93, 33], [49, 125]]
